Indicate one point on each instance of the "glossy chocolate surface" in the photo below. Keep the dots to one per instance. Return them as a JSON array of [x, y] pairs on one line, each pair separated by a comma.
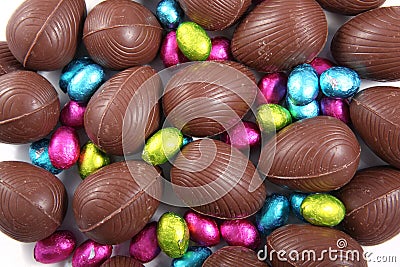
[[8, 63], [122, 261], [234, 256], [350, 7]]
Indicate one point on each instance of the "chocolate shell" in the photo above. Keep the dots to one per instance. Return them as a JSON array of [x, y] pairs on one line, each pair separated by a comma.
[[33, 201], [122, 261], [217, 180], [312, 155], [375, 116], [119, 34], [113, 204], [124, 111], [372, 200], [207, 98], [305, 245], [350, 7], [280, 34], [29, 107], [234, 256], [8, 63], [214, 15], [369, 44], [44, 35]]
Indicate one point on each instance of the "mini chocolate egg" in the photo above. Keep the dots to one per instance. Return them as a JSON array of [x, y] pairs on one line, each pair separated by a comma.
[[162, 146], [194, 257], [273, 87], [64, 148], [169, 13], [322, 210], [186, 140], [170, 53], [91, 159], [339, 82], [70, 70], [240, 233], [72, 114], [302, 86], [295, 203], [303, 112], [55, 248], [274, 213], [321, 64], [203, 229], [243, 136], [336, 107], [91, 254], [272, 117], [172, 235], [144, 246], [220, 49], [193, 41], [39, 155]]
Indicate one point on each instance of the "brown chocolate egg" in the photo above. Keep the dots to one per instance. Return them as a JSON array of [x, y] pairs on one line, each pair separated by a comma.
[[30, 107], [369, 44], [350, 7], [33, 201], [319, 154], [8, 63], [280, 34], [44, 35], [113, 204], [119, 34], [122, 261], [234, 256]]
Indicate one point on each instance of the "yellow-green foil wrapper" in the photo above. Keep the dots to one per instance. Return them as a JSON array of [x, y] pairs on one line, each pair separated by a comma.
[[172, 235], [272, 117], [91, 159], [193, 41]]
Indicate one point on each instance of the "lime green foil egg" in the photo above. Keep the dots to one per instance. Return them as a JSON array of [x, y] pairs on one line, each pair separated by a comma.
[[91, 159], [193, 41], [272, 117], [172, 235], [323, 210]]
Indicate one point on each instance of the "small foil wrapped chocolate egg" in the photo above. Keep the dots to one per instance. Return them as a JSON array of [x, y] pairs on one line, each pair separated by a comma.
[[186, 140], [243, 136], [240, 233], [302, 86], [274, 213], [55, 248], [144, 246], [193, 41], [39, 155], [273, 87], [336, 107], [272, 117], [91, 159], [169, 13], [220, 49], [203, 229], [295, 203], [72, 114], [340, 82], [323, 210], [302, 112], [91, 254], [321, 64], [170, 53], [194, 257], [70, 70], [64, 147]]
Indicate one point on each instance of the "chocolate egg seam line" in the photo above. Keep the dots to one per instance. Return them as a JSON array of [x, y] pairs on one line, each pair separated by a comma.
[[374, 112], [119, 26]]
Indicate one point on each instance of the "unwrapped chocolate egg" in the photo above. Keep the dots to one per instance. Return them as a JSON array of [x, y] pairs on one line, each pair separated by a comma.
[[193, 41], [91, 254], [172, 235], [64, 148], [194, 257], [240, 233], [39, 155], [274, 213], [144, 246], [121, 261], [91, 159], [339, 82], [170, 53], [350, 7], [8, 63], [244, 135], [72, 114], [55, 248], [234, 256], [302, 85], [202, 229]]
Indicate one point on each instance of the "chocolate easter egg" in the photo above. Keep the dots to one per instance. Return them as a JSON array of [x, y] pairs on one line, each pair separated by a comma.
[[312, 155], [8, 63], [280, 34], [121, 261], [350, 7], [234, 256]]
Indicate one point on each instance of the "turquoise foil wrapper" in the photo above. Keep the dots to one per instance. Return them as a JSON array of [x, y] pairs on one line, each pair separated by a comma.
[[274, 213], [194, 257], [39, 155]]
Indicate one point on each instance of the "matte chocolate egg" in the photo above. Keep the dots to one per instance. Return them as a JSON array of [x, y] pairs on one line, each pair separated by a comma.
[[214, 15], [44, 35], [8, 63], [124, 111], [372, 199], [234, 256], [208, 98], [122, 261], [217, 180], [312, 155], [350, 7], [29, 107], [280, 34], [113, 204], [369, 42], [374, 113], [33, 201], [119, 34]]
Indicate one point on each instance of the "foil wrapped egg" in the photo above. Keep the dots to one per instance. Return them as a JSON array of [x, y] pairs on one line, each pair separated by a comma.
[[170, 53], [336, 107], [303, 85], [39, 155], [274, 213], [295, 203], [339, 82], [55, 248], [220, 49], [302, 112], [72, 114], [91, 254], [273, 87], [91, 159], [321, 64], [193, 41], [64, 148], [186, 140], [240, 233], [243, 136], [272, 117], [144, 246], [194, 257], [169, 13], [203, 229]]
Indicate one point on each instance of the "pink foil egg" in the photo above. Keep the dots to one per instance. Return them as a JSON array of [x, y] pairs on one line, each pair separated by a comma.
[[240, 233], [220, 49], [273, 87], [72, 114], [55, 248], [64, 147], [91, 254], [243, 135], [337, 108], [144, 246], [203, 230], [321, 64], [170, 53]]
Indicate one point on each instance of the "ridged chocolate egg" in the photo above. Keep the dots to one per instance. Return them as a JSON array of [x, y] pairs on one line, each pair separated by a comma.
[[350, 7], [234, 256], [8, 63], [122, 261]]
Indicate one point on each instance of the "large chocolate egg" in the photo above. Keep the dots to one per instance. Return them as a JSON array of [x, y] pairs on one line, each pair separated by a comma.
[[33, 201], [8, 63], [280, 34], [119, 34], [124, 111], [44, 35], [234, 256], [375, 116], [217, 180], [113, 204], [29, 107], [369, 44], [312, 155], [122, 261], [350, 7]]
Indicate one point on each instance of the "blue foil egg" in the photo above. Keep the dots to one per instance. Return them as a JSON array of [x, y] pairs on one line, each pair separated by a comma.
[[194, 257], [295, 203], [302, 112], [339, 82], [70, 71], [39, 155], [303, 85], [169, 13], [186, 140], [274, 213]]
